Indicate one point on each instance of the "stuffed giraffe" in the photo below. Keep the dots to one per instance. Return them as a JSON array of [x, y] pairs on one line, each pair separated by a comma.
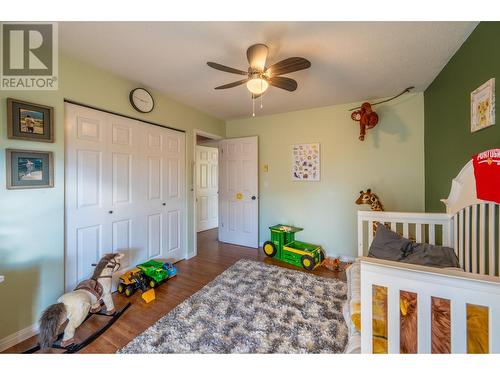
[[371, 199]]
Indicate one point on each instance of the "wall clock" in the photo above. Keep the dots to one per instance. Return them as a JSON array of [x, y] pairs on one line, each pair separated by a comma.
[[141, 100]]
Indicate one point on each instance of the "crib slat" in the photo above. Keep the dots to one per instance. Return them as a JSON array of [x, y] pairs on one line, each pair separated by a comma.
[[474, 239], [482, 231], [424, 323], [455, 233], [370, 232], [393, 319], [432, 234], [467, 240], [461, 239], [361, 250], [406, 230], [458, 326], [418, 232], [491, 238]]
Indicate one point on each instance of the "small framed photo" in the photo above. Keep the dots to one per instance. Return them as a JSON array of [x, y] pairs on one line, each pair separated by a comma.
[[28, 121], [482, 106], [29, 169]]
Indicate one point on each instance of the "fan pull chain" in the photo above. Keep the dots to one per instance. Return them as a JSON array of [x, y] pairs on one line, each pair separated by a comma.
[[253, 106]]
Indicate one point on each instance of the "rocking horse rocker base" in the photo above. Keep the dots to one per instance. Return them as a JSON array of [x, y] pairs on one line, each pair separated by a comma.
[[75, 347]]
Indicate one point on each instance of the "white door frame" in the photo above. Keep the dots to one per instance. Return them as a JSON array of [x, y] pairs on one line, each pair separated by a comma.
[[215, 137]]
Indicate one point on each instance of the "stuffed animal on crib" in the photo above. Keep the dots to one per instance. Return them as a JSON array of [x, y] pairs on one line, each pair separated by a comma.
[[367, 118], [75, 306], [371, 199]]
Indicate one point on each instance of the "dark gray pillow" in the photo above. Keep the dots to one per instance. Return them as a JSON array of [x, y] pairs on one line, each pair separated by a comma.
[[431, 255], [388, 245]]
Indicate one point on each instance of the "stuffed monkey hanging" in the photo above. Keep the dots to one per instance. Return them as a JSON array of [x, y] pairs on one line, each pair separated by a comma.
[[367, 119]]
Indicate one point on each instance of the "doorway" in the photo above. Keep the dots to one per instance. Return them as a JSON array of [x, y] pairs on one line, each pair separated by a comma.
[[207, 183], [225, 171]]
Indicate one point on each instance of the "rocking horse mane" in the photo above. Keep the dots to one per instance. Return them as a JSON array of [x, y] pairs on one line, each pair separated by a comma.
[[103, 262]]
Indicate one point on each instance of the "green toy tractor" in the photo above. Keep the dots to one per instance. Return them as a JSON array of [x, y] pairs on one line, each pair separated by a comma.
[[284, 247], [154, 271]]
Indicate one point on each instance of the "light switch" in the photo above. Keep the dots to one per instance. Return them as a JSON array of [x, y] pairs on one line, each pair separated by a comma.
[[266, 168]]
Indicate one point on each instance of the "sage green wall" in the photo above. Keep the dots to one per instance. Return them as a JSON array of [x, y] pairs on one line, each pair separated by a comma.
[[32, 221], [449, 144], [390, 161]]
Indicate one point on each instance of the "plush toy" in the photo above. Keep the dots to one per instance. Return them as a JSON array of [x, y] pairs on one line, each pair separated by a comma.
[[333, 264], [371, 199], [367, 118]]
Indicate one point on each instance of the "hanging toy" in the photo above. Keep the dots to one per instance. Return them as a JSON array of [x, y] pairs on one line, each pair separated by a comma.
[[367, 118]]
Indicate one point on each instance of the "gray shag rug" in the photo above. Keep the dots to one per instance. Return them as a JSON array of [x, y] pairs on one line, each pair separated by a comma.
[[253, 307]]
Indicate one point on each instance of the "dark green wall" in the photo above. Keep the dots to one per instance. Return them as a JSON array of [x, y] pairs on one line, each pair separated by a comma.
[[449, 144]]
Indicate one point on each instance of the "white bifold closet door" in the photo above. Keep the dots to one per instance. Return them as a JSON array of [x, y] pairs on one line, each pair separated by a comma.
[[125, 191]]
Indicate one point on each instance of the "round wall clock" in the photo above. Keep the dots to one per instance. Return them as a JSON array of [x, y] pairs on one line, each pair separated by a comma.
[[141, 100]]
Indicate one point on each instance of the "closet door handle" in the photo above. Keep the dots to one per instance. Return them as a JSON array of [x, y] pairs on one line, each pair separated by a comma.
[[110, 211], [254, 197], [164, 204]]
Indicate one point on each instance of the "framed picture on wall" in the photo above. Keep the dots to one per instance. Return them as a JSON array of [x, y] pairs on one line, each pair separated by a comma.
[[482, 106], [28, 169], [306, 162], [28, 121]]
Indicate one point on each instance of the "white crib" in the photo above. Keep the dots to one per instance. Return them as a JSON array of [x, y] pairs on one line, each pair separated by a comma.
[[472, 228]]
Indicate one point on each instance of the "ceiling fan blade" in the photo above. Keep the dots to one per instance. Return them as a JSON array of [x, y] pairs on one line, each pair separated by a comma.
[[284, 83], [226, 68], [232, 84], [289, 65], [257, 55]]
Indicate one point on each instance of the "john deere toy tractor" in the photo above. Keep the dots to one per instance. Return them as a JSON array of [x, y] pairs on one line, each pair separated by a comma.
[[284, 247]]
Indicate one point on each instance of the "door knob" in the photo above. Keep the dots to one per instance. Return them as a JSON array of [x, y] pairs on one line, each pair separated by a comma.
[[164, 204], [110, 211], [254, 197]]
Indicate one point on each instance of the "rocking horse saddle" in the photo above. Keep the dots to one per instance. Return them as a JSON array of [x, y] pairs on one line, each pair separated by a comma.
[[91, 285]]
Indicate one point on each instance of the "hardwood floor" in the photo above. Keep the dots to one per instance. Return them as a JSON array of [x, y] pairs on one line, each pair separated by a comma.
[[212, 259]]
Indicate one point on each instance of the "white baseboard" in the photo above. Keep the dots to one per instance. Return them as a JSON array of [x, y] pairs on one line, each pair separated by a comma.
[[18, 337]]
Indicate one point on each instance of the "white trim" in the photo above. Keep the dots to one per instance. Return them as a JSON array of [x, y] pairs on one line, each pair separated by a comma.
[[18, 337], [215, 137], [2, 278]]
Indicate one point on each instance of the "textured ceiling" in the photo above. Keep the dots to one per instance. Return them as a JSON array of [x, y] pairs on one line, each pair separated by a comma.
[[351, 61]]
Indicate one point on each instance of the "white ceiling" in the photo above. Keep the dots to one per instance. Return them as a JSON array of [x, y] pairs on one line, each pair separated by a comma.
[[351, 61]]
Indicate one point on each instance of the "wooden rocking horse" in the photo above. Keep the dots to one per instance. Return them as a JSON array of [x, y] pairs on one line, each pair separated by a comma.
[[75, 307]]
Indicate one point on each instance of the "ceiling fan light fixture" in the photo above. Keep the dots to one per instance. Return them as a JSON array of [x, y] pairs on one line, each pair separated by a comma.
[[257, 85]]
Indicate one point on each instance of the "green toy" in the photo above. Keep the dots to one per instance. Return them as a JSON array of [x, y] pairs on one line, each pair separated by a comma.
[[284, 247], [154, 272]]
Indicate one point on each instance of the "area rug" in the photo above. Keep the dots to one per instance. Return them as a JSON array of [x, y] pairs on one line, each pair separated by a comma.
[[253, 307]]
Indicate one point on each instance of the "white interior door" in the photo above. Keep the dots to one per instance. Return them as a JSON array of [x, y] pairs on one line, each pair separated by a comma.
[[125, 191], [207, 187], [238, 191]]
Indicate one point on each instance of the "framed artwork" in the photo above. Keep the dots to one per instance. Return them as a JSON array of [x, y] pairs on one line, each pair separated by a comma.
[[29, 169], [482, 106], [28, 121], [306, 162]]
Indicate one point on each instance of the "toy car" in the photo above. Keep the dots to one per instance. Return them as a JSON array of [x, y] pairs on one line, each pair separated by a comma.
[[131, 281], [154, 272], [284, 247], [169, 267]]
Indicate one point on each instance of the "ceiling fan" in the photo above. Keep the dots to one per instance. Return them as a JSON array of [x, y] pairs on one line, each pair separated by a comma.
[[260, 76]]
